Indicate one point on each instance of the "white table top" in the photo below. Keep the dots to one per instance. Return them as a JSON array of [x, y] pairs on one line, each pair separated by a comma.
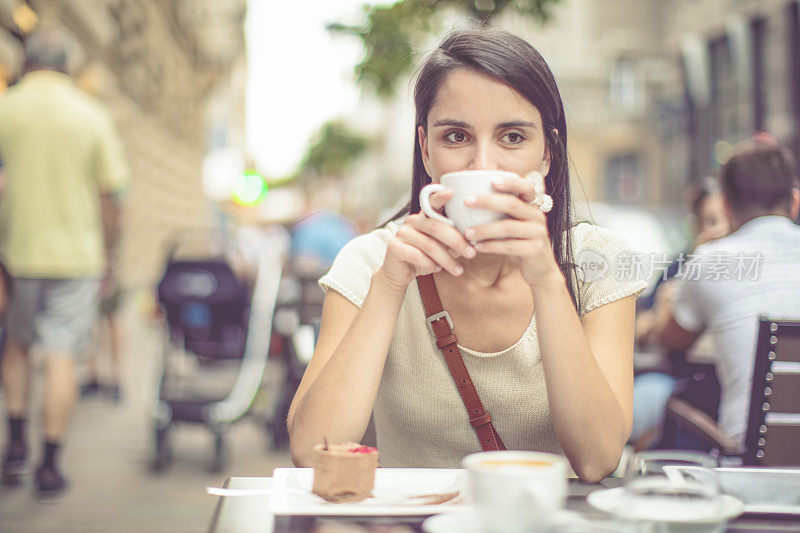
[[248, 514], [251, 514]]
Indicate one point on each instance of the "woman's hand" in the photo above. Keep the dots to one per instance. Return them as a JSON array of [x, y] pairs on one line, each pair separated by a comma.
[[423, 246], [523, 236]]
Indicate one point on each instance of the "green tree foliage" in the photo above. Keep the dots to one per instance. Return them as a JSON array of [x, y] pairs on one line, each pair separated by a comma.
[[334, 150], [392, 32]]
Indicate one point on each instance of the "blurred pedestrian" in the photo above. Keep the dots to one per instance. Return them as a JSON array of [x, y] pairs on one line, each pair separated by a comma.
[[738, 278], [64, 168]]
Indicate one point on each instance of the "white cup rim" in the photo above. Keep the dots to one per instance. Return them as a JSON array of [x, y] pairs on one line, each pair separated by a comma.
[[478, 173], [472, 461]]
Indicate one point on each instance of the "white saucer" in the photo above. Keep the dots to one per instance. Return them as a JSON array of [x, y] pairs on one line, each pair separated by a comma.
[[468, 522], [608, 500]]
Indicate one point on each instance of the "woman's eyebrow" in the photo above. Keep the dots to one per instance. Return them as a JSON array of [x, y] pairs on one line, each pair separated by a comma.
[[516, 124], [451, 122]]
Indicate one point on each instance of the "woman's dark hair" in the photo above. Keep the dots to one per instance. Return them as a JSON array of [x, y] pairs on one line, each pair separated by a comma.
[[513, 61]]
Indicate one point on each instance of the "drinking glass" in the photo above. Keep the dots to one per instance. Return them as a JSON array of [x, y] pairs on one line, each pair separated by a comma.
[[669, 491]]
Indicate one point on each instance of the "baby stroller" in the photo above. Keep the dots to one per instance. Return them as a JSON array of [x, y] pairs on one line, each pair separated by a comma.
[[217, 339]]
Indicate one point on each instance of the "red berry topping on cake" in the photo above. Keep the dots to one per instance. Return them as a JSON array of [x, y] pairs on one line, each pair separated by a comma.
[[362, 449]]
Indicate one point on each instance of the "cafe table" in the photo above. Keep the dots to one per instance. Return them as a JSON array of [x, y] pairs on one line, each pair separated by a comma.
[[249, 512]]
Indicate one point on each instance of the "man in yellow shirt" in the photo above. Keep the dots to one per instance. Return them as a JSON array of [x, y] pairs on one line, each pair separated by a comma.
[[64, 169]]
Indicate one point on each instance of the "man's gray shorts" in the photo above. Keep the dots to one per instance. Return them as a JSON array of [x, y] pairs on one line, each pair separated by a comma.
[[57, 314]]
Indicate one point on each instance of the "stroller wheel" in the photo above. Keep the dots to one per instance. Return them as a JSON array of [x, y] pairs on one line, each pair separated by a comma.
[[163, 451]]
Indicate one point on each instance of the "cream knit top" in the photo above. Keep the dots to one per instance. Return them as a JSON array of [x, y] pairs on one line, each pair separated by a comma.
[[420, 420]]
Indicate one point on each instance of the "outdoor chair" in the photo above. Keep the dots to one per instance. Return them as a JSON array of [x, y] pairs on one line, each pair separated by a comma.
[[772, 436]]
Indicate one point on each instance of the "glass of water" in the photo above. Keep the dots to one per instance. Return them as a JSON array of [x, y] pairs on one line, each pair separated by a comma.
[[667, 490]]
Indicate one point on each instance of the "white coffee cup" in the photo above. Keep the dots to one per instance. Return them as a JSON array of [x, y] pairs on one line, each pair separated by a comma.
[[464, 183], [516, 491]]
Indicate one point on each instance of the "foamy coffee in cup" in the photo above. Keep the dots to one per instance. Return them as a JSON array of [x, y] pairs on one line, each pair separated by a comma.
[[513, 463], [516, 491]]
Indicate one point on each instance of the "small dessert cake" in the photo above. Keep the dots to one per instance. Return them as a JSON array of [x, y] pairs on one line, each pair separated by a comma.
[[344, 472]]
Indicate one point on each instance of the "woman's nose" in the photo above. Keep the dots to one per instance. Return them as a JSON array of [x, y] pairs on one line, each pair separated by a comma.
[[482, 157]]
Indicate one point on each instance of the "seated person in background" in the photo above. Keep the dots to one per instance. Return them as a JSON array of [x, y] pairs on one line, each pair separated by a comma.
[[652, 389], [736, 279], [550, 356]]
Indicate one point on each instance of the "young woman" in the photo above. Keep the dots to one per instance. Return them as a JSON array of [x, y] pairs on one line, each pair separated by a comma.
[[550, 356]]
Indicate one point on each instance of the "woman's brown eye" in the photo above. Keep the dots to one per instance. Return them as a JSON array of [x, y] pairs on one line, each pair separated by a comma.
[[514, 138], [456, 137]]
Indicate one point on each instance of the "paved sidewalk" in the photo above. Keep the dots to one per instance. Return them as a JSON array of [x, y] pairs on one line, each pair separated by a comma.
[[106, 459]]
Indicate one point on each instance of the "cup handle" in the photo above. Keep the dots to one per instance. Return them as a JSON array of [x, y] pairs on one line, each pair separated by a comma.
[[425, 204]]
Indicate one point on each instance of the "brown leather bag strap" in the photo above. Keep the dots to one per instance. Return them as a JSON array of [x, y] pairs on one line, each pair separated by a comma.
[[441, 326]]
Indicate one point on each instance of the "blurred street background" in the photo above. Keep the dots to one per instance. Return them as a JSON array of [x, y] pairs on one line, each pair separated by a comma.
[[248, 118]]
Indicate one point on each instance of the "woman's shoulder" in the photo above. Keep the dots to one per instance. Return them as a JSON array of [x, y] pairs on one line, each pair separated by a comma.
[[600, 255], [352, 270], [586, 234], [372, 244], [593, 241]]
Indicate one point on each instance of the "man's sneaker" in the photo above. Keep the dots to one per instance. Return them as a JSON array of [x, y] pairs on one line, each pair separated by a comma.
[[14, 459], [90, 389], [49, 482]]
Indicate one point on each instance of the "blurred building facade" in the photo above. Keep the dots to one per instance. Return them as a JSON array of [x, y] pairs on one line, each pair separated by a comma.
[[659, 92], [163, 68], [622, 94], [656, 94], [740, 62]]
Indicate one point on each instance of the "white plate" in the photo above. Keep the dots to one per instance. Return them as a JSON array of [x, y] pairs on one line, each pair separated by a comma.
[[608, 500], [393, 488]]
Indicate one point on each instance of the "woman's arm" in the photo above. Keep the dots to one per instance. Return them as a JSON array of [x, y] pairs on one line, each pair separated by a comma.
[[337, 392], [589, 368], [588, 364]]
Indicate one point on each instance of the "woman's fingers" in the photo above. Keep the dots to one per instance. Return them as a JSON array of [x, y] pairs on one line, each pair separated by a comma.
[[521, 248], [413, 256], [448, 236], [507, 204], [431, 247], [439, 198], [523, 188], [508, 228]]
